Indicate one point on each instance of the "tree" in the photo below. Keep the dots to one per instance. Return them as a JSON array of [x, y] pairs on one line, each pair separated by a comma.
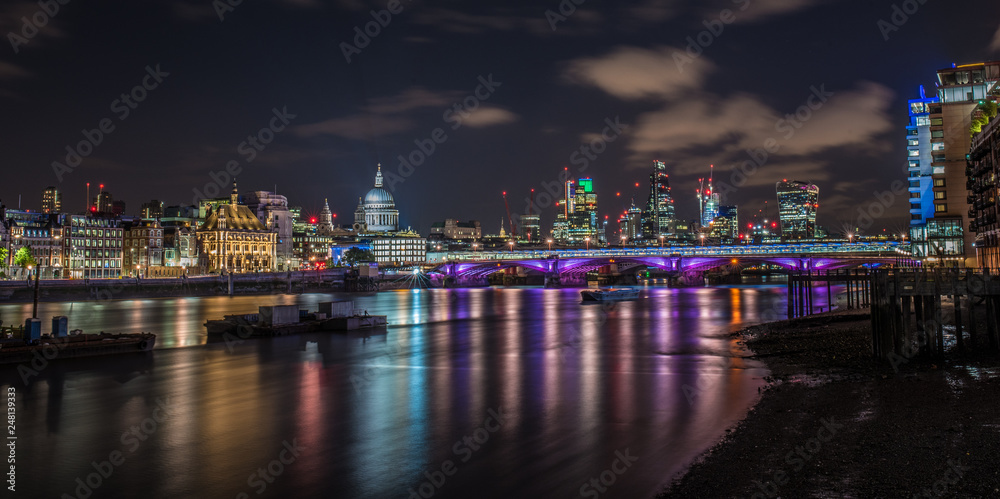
[[3, 261], [354, 255], [23, 258]]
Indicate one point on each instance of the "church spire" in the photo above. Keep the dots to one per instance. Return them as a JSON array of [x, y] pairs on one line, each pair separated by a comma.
[[234, 196], [378, 176]]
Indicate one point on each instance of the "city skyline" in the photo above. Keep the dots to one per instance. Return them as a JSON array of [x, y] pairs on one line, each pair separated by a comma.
[[638, 73]]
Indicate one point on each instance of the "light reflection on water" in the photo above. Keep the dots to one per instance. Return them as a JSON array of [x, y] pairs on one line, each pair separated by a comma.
[[373, 414]]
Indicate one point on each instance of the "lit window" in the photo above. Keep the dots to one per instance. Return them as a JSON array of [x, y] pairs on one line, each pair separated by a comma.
[[913, 152], [937, 146], [939, 182], [940, 195], [940, 207]]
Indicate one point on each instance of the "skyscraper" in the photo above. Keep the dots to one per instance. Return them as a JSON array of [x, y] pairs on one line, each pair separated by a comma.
[[630, 223], [658, 217], [797, 203], [51, 200], [583, 217]]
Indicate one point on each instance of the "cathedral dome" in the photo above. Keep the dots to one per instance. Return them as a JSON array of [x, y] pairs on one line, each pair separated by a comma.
[[379, 196]]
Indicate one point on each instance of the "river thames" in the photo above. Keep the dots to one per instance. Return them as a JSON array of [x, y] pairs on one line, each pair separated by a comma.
[[490, 392]]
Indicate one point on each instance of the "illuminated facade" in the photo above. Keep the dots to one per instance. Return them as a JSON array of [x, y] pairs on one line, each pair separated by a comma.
[[658, 218], [919, 151], [92, 246], [725, 226], [960, 89], [143, 247], [233, 239], [984, 173], [51, 200], [630, 223], [797, 204], [40, 233], [576, 223]]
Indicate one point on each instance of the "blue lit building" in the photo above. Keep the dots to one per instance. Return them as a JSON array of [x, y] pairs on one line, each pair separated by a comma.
[[918, 151]]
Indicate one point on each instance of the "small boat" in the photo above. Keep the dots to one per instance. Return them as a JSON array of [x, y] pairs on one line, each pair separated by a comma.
[[610, 294]]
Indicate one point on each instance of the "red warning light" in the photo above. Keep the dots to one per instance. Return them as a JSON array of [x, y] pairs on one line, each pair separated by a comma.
[[312, 220]]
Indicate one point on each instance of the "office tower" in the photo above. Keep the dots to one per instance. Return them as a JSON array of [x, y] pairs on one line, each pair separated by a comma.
[[51, 200], [797, 203], [725, 227], [658, 217]]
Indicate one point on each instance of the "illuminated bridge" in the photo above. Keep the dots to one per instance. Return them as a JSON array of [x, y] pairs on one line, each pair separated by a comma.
[[572, 265]]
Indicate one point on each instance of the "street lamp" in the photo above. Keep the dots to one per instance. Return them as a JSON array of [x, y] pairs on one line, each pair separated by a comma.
[[587, 240], [703, 239], [661, 241], [550, 244], [623, 240], [511, 244]]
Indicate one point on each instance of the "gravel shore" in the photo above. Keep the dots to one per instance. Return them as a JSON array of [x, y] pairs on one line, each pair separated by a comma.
[[835, 423]]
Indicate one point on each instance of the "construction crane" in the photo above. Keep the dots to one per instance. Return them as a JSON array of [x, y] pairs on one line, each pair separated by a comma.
[[510, 220]]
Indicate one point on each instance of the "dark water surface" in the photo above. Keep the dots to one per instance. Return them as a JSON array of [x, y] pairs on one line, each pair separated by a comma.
[[576, 388]]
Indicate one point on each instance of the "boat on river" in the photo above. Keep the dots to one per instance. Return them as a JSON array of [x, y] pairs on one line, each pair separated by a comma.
[[610, 294]]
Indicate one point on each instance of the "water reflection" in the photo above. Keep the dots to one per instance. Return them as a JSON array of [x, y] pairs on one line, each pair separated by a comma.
[[376, 415]]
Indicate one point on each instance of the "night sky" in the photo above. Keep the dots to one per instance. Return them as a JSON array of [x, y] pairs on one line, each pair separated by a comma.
[[554, 91]]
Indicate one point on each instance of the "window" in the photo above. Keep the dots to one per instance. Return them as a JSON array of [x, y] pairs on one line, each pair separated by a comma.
[[914, 194], [911, 132], [937, 146], [938, 170], [937, 121], [939, 182], [940, 207], [923, 121], [913, 152], [912, 142], [914, 163], [940, 195], [937, 134]]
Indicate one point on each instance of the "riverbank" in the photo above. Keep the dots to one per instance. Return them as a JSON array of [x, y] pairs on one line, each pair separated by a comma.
[[834, 423]]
